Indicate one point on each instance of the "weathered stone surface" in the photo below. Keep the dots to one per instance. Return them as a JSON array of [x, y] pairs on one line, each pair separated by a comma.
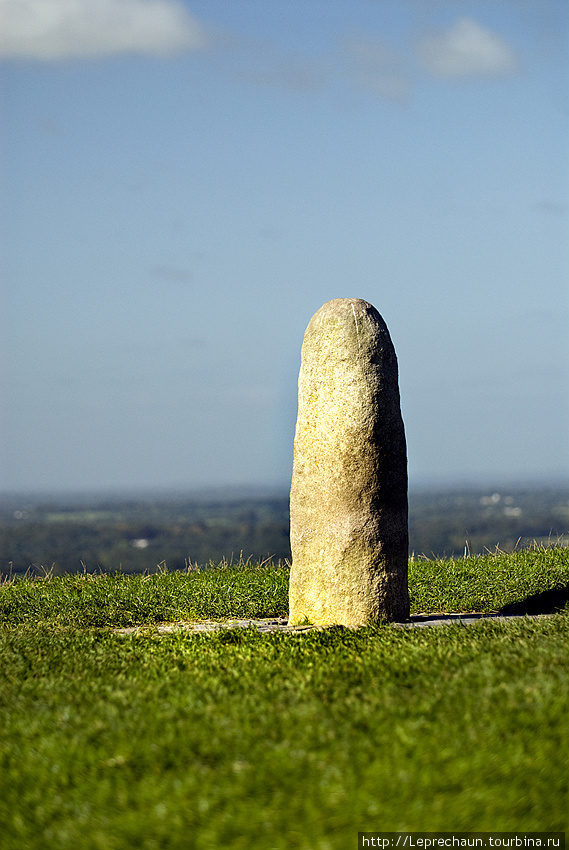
[[348, 500]]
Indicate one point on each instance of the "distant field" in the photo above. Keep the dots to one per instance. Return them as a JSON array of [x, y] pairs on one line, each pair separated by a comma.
[[280, 741], [147, 533]]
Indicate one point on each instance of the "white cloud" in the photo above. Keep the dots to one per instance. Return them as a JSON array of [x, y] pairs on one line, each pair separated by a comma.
[[51, 30], [466, 49]]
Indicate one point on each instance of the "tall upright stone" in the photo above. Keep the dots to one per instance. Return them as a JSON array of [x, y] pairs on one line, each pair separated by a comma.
[[348, 499]]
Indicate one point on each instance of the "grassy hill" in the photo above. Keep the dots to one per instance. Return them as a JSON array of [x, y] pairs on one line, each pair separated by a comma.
[[237, 739]]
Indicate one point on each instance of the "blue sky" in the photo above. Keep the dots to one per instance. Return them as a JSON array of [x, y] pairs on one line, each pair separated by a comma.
[[185, 183]]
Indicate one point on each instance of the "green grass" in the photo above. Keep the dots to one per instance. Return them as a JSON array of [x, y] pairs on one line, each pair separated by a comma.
[[280, 742], [115, 599], [487, 583]]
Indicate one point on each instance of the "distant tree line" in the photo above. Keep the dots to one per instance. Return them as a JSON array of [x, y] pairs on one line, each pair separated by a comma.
[[149, 534], [134, 537]]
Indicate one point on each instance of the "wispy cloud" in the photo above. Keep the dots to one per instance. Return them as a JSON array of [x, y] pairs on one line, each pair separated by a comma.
[[466, 49], [172, 275], [376, 67], [52, 30], [266, 66], [552, 207], [366, 62]]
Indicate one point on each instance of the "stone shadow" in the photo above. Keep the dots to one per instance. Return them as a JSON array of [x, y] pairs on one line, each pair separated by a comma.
[[546, 602]]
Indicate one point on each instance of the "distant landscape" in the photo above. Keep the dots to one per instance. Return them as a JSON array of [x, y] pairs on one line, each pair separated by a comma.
[[149, 533]]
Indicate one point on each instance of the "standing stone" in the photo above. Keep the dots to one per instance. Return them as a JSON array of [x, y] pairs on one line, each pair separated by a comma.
[[348, 500]]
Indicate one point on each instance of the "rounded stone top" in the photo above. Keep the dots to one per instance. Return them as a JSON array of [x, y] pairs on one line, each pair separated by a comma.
[[347, 305], [348, 309], [347, 326]]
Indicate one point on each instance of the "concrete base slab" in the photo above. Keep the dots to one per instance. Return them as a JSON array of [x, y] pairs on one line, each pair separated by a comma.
[[280, 624]]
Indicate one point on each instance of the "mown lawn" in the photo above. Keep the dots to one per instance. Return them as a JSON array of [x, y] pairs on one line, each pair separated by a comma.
[[241, 740]]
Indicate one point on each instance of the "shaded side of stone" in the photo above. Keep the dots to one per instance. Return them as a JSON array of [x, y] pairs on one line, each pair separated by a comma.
[[349, 524]]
